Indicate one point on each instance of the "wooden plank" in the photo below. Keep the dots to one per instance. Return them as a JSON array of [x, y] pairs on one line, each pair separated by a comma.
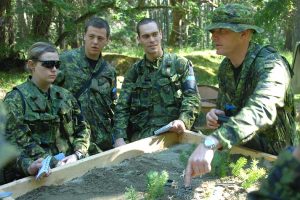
[[194, 138], [108, 158], [253, 153], [115, 156]]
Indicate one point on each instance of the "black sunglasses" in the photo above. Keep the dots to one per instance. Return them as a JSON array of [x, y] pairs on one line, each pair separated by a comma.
[[50, 64]]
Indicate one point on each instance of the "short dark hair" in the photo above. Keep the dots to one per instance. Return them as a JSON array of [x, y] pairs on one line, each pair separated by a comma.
[[98, 23], [145, 21]]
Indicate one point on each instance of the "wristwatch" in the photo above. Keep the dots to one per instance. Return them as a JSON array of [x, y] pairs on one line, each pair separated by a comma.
[[79, 155], [210, 143]]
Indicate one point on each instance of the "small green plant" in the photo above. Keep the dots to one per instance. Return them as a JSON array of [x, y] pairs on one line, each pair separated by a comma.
[[254, 173], [219, 165], [248, 176], [237, 168], [155, 184], [131, 193]]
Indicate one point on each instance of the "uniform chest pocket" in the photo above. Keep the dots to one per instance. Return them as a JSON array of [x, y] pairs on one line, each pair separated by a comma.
[[67, 122], [101, 85], [141, 97], [166, 91], [43, 126]]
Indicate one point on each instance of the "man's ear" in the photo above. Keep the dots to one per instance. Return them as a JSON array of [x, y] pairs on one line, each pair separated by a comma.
[[246, 33]]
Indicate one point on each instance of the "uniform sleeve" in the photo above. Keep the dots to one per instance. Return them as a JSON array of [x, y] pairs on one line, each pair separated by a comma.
[[113, 88], [283, 182], [60, 78], [18, 133], [190, 105], [260, 109], [81, 129], [122, 112]]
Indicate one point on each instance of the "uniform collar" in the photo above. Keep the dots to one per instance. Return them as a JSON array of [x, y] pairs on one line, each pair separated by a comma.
[[46, 94], [155, 63]]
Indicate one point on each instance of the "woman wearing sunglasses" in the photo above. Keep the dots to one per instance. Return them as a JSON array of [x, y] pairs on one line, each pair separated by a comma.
[[43, 119]]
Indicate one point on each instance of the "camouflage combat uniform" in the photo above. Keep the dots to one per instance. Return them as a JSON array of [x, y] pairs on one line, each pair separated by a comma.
[[283, 182], [97, 102], [154, 94], [259, 89], [263, 99], [7, 151], [44, 123]]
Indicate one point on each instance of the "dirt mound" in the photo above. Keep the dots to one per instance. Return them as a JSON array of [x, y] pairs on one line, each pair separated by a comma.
[[121, 62], [111, 182]]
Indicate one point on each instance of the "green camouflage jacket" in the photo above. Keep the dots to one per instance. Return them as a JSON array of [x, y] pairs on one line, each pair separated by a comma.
[[283, 182], [98, 101], [42, 124], [7, 152], [263, 99], [154, 94]]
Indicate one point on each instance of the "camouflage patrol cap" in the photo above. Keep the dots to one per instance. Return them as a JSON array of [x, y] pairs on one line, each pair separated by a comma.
[[236, 17]]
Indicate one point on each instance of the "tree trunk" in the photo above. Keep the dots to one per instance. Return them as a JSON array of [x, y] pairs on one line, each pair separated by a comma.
[[42, 20], [166, 21], [60, 26], [288, 44], [296, 20], [21, 21], [177, 14], [3, 15], [10, 26]]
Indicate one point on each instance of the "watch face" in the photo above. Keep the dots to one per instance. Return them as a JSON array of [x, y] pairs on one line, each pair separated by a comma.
[[209, 143], [79, 155]]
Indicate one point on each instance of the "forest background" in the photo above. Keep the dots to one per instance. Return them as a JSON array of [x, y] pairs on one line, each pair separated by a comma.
[[61, 22]]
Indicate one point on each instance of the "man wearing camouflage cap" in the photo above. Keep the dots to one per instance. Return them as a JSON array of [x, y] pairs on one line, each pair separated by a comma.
[[254, 82], [159, 89]]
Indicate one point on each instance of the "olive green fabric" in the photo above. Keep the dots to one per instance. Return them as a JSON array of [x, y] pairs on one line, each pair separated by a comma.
[[44, 123], [263, 99], [97, 101], [283, 181], [154, 94], [7, 151], [236, 17]]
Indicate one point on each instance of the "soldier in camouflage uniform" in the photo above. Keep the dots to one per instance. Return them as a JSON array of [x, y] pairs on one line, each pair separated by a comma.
[[7, 151], [93, 82], [157, 90], [254, 80], [283, 182], [43, 119]]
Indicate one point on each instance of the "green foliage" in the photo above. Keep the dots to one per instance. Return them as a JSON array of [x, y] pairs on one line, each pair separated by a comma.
[[219, 164], [238, 166], [155, 184], [253, 174], [184, 155], [10, 79], [131, 193], [275, 16], [288, 55], [249, 175]]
